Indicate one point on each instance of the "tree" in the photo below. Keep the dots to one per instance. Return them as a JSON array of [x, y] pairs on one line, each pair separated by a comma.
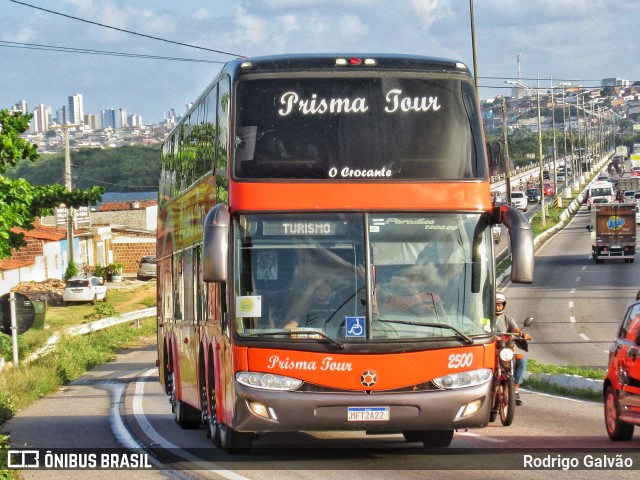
[[20, 202]]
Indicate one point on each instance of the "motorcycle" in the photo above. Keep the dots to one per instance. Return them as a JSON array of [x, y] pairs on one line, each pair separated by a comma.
[[503, 388]]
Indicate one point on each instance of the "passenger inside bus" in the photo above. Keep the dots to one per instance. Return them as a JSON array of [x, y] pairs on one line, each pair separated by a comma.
[[322, 290], [319, 308], [412, 291]]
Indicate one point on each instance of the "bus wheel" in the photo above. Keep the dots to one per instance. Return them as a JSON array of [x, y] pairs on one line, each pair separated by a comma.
[[185, 415], [430, 438], [234, 442], [213, 425]]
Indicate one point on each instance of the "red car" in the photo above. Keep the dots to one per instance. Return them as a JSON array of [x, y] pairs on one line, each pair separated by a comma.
[[621, 386], [548, 190]]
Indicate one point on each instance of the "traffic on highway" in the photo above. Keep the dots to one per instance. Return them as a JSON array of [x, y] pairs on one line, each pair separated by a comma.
[[578, 307]]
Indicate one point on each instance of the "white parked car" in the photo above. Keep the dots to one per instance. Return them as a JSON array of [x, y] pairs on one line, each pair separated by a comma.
[[519, 200], [84, 289]]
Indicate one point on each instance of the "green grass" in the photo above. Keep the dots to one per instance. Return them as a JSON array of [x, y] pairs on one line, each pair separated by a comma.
[[59, 317], [593, 373], [546, 387], [71, 358], [543, 386]]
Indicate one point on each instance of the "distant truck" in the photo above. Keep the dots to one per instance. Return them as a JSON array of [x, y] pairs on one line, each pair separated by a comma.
[[600, 192], [622, 151], [613, 232], [629, 183]]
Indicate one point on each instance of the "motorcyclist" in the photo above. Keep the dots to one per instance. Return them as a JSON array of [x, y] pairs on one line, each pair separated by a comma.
[[506, 324]]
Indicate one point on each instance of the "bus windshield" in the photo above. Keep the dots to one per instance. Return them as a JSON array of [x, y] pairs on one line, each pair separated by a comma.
[[426, 276], [384, 127]]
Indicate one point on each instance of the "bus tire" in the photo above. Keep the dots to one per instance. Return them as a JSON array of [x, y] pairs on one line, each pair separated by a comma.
[[234, 442], [186, 416], [430, 438]]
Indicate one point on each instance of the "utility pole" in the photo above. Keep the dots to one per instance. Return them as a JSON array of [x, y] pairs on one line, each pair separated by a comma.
[[507, 160], [473, 48], [68, 185]]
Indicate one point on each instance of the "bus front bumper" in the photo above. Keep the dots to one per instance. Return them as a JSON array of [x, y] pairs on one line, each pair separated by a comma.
[[280, 411]]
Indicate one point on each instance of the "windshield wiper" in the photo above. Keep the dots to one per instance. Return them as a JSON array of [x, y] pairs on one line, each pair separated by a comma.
[[290, 333], [467, 339]]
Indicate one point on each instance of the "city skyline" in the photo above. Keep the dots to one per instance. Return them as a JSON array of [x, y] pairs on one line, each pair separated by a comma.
[[73, 113]]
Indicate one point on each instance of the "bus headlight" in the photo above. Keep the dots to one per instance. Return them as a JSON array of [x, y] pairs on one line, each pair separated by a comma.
[[268, 381], [471, 378]]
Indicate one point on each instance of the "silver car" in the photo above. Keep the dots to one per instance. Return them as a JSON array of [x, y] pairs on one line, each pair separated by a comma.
[[146, 267], [84, 289]]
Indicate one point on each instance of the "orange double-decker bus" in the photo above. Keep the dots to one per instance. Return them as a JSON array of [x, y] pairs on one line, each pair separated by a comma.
[[325, 258]]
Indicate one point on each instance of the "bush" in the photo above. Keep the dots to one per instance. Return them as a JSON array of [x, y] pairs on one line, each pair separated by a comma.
[[114, 268], [6, 346], [72, 270], [103, 310], [101, 272]]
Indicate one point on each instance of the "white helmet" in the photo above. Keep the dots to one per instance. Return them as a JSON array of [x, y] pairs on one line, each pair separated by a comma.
[[500, 298]]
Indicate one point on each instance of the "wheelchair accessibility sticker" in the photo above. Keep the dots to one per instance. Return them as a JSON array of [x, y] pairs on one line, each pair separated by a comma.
[[355, 327]]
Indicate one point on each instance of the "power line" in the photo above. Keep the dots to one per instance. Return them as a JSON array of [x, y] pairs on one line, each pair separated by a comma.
[[56, 48], [124, 30], [115, 184]]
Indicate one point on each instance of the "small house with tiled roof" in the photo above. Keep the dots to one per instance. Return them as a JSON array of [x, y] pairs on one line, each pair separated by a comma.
[[44, 256], [121, 232]]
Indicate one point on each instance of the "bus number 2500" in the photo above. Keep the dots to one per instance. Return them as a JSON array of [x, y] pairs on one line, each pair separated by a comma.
[[459, 360]]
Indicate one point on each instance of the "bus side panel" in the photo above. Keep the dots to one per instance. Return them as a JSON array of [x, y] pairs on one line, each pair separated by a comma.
[[186, 354]]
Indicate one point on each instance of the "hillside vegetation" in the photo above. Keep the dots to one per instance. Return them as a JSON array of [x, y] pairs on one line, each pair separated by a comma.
[[122, 169]]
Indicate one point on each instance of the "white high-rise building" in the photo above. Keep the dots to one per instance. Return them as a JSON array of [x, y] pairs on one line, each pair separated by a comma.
[[121, 118], [40, 120], [76, 109]]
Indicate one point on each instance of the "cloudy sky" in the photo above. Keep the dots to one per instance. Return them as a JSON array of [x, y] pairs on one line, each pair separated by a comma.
[[579, 41]]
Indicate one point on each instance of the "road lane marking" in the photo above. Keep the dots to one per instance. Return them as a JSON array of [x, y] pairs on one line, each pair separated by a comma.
[[584, 337], [573, 291], [577, 279], [584, 268], [570, 304], [481, 437], [152, 433], [572, 319]]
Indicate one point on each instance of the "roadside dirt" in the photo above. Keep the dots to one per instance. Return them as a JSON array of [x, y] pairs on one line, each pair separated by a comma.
[[51, 290]]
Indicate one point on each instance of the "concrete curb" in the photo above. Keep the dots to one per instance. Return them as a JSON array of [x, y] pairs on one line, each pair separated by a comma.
[[570, 382]]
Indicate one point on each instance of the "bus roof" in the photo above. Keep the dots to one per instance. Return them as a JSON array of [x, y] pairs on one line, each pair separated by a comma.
[[355, 61]]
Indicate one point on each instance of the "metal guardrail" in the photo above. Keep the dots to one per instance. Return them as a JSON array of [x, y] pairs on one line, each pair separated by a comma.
[[88, 328]]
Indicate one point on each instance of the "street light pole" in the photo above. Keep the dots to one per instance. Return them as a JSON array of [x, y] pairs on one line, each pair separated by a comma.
[[507, 160], [543, 217], [473, 48], [567, 188], [542, 205], [555, 156]]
